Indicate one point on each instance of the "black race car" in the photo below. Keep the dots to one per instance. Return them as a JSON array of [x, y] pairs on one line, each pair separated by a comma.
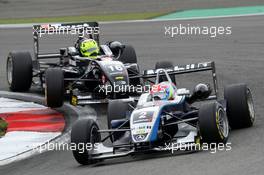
[[85, 80]]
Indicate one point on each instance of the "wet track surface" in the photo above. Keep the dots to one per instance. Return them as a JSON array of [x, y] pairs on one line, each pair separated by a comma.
[[239, 58]]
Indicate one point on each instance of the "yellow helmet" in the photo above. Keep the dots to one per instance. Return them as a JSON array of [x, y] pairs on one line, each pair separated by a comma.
[[89, 48]]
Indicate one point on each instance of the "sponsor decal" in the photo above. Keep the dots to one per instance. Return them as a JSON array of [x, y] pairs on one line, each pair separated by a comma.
[[74, 100], [119, 78], [142, 117], [181, 68], [139, 137]]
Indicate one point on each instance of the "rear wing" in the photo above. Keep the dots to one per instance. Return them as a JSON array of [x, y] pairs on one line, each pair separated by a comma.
[[88, 29], [189, 68]]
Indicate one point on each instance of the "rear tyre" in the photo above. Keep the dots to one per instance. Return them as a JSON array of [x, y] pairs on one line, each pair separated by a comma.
[[128, 55], [54, 91], [240, 108], [116, 110], [84, 132], [213, 123], [134, 81], [165, 65], [19, 71]]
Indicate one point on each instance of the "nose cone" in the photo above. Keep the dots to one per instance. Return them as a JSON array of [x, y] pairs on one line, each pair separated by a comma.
[[143, 124]]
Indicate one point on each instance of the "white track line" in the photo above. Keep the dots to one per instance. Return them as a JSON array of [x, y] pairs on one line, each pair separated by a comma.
[[11, 105], [28, 25], [17, 142]]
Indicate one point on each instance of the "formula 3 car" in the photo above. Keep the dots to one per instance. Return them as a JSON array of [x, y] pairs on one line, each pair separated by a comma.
[[153, 123], [69, 73]]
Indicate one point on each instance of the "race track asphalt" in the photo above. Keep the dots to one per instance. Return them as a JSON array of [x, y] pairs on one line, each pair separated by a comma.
[[239, 58]]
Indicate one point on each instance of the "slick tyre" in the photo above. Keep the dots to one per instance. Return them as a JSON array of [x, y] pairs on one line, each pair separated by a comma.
[[54, 91], [116, 110], [19, 71], [240, 107], [84, 132], [128, 55], [213, 123]]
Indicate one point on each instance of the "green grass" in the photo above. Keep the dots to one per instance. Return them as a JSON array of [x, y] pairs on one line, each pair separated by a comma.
[[3, 127], [106, 17]]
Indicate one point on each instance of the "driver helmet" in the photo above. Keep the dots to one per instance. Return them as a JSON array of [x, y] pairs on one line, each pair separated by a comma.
[[164, 91], [88, 48]]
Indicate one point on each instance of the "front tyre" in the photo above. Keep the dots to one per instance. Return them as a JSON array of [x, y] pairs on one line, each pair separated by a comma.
[[240, 107], [116, 110], [213, 123], [54, 91], [84, 132]]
